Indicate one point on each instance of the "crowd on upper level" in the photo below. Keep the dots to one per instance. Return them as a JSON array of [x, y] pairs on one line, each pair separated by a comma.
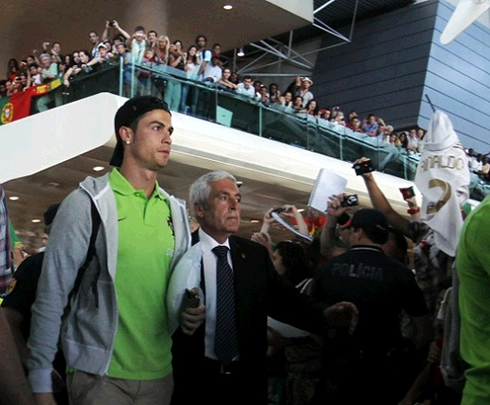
[[199, 63]]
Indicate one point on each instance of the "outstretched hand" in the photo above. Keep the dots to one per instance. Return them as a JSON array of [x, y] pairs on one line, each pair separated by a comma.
[[290, 210], [268, 219], [342, 314], [334, 208], [262, 238]]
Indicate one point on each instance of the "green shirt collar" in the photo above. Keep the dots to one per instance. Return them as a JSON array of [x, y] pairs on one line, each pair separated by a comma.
[[122, 186]]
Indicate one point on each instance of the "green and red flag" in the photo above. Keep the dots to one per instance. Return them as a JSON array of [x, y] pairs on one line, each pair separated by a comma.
[[16, 106]]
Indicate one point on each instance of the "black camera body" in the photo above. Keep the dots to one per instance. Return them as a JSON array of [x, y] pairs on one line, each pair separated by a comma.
[[363, 167], [111, 23], [350, 201]]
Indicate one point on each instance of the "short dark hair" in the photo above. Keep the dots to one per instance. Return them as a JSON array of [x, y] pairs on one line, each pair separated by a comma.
[[154, 32], [139, 28], [294, 260], [119, 37], [201, 36], [85, 52]]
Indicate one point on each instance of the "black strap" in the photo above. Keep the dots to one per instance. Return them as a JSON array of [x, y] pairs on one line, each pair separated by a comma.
[[91, 253]]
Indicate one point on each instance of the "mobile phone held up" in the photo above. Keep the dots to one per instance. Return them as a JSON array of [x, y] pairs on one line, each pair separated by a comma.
[[363, 167]]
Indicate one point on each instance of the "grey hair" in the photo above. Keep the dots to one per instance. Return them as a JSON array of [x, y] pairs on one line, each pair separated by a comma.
[[201, 189]]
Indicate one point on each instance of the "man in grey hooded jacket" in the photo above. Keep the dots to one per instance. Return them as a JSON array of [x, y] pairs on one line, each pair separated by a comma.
[[115, 336]]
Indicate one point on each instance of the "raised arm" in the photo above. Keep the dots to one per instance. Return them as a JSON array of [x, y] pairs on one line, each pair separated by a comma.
[[105, 34], [267, 221], [380, 202], [124, 33], [413, 208], [329, 232], [292, 211]]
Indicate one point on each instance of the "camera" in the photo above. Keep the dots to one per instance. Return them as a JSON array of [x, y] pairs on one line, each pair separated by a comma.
[[277, 211], [363, 167], [350, 201], [111, 23]]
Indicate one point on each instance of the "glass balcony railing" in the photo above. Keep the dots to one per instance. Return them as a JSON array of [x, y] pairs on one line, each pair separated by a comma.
[[234, 109]]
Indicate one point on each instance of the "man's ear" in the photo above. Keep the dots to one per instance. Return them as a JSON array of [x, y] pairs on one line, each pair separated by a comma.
[[126, 135], [198, 210]]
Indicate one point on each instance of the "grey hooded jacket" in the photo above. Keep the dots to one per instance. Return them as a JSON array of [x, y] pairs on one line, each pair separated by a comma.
[[88, 331]]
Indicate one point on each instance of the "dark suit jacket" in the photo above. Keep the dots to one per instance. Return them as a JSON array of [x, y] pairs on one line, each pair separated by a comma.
[[259, 292]]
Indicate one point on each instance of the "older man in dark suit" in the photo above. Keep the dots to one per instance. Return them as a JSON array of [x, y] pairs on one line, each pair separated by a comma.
[[219, 352]]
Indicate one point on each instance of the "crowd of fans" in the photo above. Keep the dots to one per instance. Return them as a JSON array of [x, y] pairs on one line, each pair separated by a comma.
[[295, 361], [199, 63], [328, 239], [479, 163]]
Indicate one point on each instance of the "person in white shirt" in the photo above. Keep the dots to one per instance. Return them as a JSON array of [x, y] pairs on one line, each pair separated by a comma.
[[413, 141], [211, 76], [304, 91], [246, 86], [213, 71]]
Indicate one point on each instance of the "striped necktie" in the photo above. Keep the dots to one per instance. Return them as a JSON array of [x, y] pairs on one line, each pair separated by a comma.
[[225, 339]]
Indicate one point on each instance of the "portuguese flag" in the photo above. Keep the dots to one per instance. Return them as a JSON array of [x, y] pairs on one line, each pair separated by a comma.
[[18, 105], [15, 107]]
